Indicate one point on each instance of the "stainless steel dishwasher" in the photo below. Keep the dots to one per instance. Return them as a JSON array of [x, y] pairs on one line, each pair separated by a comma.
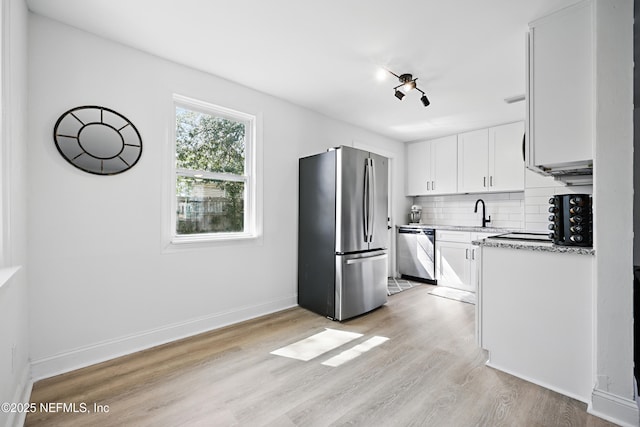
[[416, 253]]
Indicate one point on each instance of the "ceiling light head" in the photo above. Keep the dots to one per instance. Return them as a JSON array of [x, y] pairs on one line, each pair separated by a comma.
[[407, 84]]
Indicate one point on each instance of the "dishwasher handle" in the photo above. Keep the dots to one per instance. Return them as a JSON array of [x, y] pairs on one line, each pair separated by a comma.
[[408, 231], [416, 230]]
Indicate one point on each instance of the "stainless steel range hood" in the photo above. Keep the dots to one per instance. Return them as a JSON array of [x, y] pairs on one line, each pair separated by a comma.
[[570, 173]]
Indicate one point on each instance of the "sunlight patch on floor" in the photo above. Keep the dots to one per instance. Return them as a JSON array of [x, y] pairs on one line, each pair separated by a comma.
[[316, 345], [355, 351]]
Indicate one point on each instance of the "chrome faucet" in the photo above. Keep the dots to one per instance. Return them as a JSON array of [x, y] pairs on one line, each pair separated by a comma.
[[484, 220]]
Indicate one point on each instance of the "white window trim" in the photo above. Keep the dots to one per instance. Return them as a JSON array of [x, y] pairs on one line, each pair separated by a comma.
[[171, 241]]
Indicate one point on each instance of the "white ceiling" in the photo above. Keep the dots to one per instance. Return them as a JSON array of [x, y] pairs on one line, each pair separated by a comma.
[[468, 55]]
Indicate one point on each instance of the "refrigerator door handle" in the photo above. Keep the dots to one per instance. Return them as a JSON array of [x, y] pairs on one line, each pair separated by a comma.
[[366, 259], [372, 199], [365, 202]]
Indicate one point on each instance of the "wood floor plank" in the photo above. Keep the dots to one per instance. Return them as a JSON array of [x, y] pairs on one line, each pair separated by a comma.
[[429, 373]]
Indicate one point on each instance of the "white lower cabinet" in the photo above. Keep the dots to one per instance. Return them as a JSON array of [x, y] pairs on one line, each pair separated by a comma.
[[456, 259], [536, 317], [454, 267]]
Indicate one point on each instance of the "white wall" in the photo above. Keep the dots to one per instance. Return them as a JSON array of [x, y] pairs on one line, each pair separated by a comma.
[[14, 306], [100, 285], [613, 212]]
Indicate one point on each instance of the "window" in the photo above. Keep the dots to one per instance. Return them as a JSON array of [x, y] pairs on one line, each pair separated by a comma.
[[213, 174]]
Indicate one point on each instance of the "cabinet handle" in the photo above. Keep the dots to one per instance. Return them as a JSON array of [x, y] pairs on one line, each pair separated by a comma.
[[491, 181], [484, 181], [466, 254], [473, 254], [428, 186], [433, 185]]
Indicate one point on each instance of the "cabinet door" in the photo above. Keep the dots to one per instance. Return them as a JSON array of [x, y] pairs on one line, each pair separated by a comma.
[[418, 168], [453, 265], [444, 165], [506, 164], [474, 254], [473, 161], [561, 104]]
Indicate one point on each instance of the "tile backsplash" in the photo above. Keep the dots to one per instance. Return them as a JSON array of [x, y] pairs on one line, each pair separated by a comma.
[[527, 210], [506, 209], [536, 199]]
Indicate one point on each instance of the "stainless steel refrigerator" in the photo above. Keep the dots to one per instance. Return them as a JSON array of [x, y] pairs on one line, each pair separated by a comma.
[[342, 232]]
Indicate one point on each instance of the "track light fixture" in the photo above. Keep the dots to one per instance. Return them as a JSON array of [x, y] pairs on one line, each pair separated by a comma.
[[407, 84]]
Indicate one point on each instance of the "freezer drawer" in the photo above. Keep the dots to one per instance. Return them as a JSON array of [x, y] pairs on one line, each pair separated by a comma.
[[361, 283]]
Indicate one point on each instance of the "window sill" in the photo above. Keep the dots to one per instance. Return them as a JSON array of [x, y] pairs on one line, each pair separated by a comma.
[[180, 244]]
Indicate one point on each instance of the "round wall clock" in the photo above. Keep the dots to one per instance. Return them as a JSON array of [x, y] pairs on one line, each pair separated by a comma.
[[97, 140]]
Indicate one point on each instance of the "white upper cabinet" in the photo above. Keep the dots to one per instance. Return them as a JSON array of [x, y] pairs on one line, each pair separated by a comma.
[[418, 168], [473, 161], [432, 166], [491, 159], [444, 165], [560, 97], [506, 161]]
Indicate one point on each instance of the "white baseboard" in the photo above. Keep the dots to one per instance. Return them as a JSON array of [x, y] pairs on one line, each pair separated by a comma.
[[614, 408], [575, 396], [21, 395], [106, 350]]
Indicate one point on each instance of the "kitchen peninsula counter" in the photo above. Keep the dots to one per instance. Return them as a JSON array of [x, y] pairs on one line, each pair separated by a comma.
[[533, 246], [534, 312]]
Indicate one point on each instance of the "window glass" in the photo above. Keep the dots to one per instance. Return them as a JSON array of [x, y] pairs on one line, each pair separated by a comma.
[[213, 194], [209, 206], [209, 143]]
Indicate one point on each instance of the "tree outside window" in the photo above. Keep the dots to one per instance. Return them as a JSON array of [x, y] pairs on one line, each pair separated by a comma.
[[212, 171]]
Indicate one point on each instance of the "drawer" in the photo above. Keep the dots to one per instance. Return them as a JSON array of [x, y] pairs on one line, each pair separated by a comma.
[[453, 236]]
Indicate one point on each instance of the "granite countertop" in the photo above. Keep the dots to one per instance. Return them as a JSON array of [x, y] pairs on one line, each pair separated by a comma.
[[470, 228], [509, 244], [533, 246]]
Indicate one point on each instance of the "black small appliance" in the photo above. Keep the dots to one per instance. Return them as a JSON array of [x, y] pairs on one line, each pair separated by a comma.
[[571, 220]]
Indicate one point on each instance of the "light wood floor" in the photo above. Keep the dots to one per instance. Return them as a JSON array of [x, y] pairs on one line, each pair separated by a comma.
[[429, 373]]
